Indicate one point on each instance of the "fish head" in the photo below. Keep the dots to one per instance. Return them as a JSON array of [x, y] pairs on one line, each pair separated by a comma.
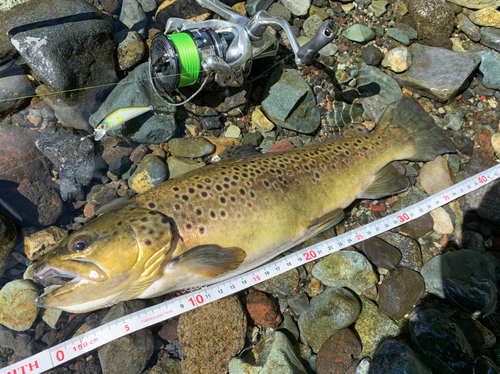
[[114, 257]]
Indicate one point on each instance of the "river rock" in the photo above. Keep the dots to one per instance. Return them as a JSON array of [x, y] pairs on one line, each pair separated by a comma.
[[486, 17], [332, 310], [297, 7], [72, 156], [443, 223], [490, 67], [281, 285], [260, 121], [400, 290], [477, 4], [133, 16], [432, 17], [19, 156], [437, 73], [18, 310], [13, 84], [465, 277], [409, 248], [397, 59], [381, 253], [465, 25], [100, 194], [490, 37], [165, 366], [289, 101], [272, 354], [189, 10], [339, 353], [42, 204], [440, 342], [435, 175], [210, 336], [346, 269], [372, 81], [262, 310], [77, 53], [359, 33], [153, 127], [190, 147], [130, 50], [298, 303], [150, 173], [180, 166], [393, 357], [9, 233], [485, 201], [372, 327], [41, 242]]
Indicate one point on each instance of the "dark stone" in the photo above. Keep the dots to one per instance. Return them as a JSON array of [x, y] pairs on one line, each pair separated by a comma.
[[440, 342], [393, 357], [485, 365], [14, 88], [418, 227], [100, 194], [479, 162], [474, 336], [23, 345], [72, 156], [399, 292], [409, 248], [120, 165], [109, 6], [371, 55], [68, 44], [339, 354], [486, 202], [209, 118], [381, 253], [45, 205]]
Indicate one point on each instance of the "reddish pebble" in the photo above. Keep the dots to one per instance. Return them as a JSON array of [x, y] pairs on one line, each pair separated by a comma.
[[458, 97], [339, 354], [343, 48], [89, 210], [77, 365], [169, 331], [342, 21], [262, 310], [281, 146], [376, 208]]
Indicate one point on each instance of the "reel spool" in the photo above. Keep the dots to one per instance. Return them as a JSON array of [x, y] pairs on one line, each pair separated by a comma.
[[176, 59]]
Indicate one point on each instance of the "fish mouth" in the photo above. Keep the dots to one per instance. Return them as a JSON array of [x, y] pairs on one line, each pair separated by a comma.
[[70, 271]]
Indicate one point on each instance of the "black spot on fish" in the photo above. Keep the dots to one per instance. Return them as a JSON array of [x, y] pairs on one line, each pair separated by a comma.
[[151, 231], [145, 219], [191, 190], [185, 197], [235, 177], [177, 195], [148, 242], [199, 186], [207, 180], [232, 198], [189, 226], [218, 187], [226, 179], [176, 189], [119, 223], [242, 191], [222, 200], [212, 214], [204, 194], [152, 205], [177, 207], [201, 230], [225, 185], [164, 220], [223, 213]]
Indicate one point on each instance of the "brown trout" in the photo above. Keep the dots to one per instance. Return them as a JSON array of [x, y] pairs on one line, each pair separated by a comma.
[[225, 219]]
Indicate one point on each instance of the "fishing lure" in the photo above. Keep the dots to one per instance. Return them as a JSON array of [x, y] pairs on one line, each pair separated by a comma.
[[117, 118]]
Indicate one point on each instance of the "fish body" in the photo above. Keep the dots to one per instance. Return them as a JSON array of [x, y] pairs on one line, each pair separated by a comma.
[[118, 117], [225, 219]]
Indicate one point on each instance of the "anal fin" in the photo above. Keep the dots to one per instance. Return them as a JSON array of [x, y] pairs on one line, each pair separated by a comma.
[[209, 260], [325, 222], [386, 182]]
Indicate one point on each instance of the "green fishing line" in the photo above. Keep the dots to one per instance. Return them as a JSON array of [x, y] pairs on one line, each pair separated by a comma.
[[189, 58]]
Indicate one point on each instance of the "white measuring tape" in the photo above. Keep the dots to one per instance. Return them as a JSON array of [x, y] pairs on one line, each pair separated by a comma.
[[128, 324]]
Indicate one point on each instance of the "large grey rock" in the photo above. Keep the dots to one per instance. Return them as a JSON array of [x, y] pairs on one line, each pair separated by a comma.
[[477, 4], [136, 90], [289, 101], [437, 73], [68, 44], [432, 17], [14, 87], [273, 354], [490, 67], [372, 81], [490, 37], [133, 16]]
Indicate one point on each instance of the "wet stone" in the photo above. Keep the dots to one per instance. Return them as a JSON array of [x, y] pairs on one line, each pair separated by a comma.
[[409, 248], [371, 55], [13, 84], [490, 37], [100, 194], [298, 8], [440, 342], [289, 102], [486, 17], [437, 73], [165, 366], [381, 253], [332, 310], [282, 285], [272, 354], [397, 59], [190, 147], [339, 354], [260, 121], [432, 18], [393, 357], [465, 25], [180, 166], [372, 327], [298, 303], [443, 223], [9, 233], [418, 227], [189, 10], [18, 309], [486, 201], [130, 49], [289, 328], [120, 165], [169, 330], [346, 269], [133, 16], [211, 335], [465, 277], [372, 81], [42, 205], [23, 345], [150, 173], [52, 317], [359, 33], [399, 292], [490, 67], [262, 310], [73, 158]]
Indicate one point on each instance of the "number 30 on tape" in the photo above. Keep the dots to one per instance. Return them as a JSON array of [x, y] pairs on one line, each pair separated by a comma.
[[93, 339]]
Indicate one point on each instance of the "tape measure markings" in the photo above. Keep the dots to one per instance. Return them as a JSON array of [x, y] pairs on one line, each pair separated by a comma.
[[133, 322]]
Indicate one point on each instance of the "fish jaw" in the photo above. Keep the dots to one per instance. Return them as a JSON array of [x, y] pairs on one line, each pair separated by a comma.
[[113, 267]]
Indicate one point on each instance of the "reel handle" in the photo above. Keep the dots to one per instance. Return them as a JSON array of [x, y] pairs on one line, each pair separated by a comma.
[[325, 34]]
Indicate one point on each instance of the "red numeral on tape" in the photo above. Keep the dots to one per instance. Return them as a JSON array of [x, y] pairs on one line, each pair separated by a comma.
[[309, 255], [482, 179], [60, 355], [256, 278], [199, 300], [404, 217]]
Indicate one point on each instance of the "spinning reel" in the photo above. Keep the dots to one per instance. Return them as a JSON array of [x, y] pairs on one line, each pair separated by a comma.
[[221, 51]]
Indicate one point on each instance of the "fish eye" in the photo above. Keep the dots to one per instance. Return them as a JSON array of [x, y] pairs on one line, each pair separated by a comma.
[[79, 245]]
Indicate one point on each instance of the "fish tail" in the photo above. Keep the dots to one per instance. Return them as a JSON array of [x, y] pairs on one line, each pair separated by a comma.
[[428, 139]]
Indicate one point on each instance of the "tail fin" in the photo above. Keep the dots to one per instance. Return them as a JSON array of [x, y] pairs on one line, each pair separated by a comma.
[[429, 139]]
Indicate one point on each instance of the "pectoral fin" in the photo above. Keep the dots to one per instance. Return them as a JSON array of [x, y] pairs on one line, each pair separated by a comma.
[[386, 182], [209, 260]]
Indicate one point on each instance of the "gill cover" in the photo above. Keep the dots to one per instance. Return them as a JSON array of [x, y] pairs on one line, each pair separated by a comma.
[[112, 258]]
